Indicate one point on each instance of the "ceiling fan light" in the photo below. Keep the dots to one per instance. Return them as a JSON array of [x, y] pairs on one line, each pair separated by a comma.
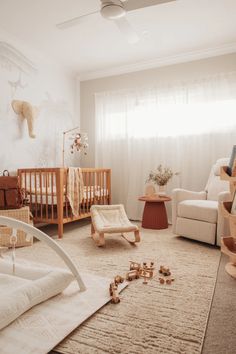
[[112, 11]]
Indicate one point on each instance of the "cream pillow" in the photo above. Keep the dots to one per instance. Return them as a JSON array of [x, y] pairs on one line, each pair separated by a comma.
[[27, 288]]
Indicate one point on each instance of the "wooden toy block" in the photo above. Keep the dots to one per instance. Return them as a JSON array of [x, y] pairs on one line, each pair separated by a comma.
[[164, 270], [150, 269], [133, 274], [144, 273], [147, 270], [113, 293], [118, 279], [134, 265], [145, 279]]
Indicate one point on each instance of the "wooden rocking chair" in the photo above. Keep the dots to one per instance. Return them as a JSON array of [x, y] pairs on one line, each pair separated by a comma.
[[111, 219]]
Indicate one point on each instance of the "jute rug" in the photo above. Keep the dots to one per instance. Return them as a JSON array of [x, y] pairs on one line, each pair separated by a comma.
[[150, 318]]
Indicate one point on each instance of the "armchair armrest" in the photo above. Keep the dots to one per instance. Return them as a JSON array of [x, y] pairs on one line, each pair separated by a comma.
[[178, 195]]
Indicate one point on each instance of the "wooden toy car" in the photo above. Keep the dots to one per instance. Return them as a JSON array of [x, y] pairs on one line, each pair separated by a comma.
[[118, 279], [164, 270], [113, 292], [133, 274], [134, 265]]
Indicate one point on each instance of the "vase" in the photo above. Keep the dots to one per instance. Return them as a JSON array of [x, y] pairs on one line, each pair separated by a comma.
[[162, 191], [150, 190]]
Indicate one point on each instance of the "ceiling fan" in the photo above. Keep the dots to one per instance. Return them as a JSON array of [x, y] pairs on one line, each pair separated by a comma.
[[116, 10]]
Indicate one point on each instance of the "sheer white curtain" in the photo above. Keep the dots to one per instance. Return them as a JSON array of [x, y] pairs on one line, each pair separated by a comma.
[[184, 126]]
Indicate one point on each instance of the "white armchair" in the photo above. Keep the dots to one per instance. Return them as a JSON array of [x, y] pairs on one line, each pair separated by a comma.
[[196, 215]]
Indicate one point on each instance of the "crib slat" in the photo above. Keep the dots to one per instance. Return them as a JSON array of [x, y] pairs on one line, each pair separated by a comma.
[[52, 207], [46, 195], [36, 195], [41, 194], [30, 190], [88, 196], [86, 184]]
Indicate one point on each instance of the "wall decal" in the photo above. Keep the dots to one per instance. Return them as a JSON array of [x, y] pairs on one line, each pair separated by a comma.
[[12, 57], [26, 111], [15, 85]]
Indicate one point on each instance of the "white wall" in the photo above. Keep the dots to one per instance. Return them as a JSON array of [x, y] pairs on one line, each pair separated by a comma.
[[49, 88], [169, 74]]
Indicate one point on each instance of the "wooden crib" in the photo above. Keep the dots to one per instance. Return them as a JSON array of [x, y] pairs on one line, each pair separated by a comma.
[[46, 190]]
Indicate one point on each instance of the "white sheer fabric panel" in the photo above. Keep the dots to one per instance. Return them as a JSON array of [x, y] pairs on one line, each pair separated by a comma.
[[186, 127]]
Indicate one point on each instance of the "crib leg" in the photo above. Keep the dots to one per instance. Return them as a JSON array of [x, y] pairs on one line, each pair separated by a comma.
[[60, 230]]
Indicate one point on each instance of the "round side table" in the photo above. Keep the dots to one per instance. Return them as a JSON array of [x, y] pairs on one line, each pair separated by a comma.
[[154, 213]]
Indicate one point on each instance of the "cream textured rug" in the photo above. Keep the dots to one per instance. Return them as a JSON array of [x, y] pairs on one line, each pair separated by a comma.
[[150, 318]]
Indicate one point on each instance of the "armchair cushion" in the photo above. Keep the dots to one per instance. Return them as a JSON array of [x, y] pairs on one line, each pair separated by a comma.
[[204, 210]]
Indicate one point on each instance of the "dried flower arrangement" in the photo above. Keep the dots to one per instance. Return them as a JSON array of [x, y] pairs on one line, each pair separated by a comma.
[[161, 175]]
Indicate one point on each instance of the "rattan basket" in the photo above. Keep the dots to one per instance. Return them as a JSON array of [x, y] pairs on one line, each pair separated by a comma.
[[23, 239]]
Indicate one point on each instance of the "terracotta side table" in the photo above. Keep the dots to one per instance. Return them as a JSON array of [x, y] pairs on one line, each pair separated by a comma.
[[154, 213]]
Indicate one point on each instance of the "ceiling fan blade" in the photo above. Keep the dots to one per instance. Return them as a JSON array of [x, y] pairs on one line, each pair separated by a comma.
[[131, 5], [75, 21], [127, 30]]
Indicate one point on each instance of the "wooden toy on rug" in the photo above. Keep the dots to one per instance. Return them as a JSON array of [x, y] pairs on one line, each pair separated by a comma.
[[134, 266], [164, 270], [147, 271], [137, 270], [113, 293], [118, 279], [167, 281], [150, 269], [132, 274]]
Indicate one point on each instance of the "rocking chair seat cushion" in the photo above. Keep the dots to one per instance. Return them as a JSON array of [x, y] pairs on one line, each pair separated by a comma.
[[111, 219]]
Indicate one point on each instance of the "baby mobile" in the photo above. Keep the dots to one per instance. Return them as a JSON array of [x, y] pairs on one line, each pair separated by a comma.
[[79, 142]]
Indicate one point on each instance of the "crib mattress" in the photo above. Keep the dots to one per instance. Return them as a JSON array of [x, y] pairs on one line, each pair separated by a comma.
[[49, 198]]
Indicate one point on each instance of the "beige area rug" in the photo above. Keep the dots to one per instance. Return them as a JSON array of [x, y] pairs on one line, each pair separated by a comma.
[[150, 318]]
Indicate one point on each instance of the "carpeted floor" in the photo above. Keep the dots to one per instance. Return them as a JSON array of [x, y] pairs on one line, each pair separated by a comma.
[[220, 336], [150, 318]]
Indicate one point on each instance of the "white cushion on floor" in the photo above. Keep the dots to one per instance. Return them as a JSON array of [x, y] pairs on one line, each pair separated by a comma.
[[27, 288], [205, 210]]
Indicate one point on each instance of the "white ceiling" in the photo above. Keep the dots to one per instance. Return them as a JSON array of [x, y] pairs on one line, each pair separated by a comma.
[[169, 32]]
